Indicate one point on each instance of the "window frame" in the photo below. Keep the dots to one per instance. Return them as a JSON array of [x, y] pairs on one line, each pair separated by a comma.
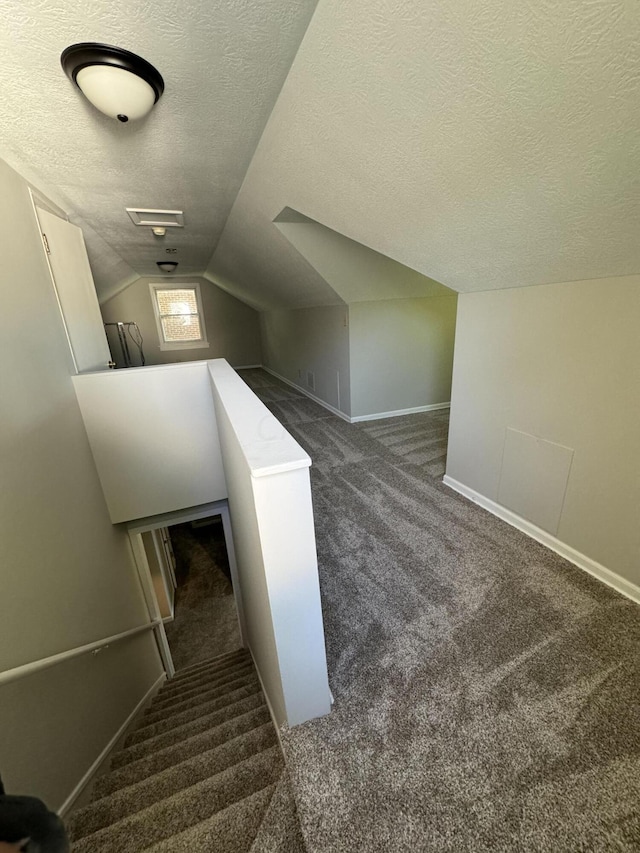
[[154, 287]]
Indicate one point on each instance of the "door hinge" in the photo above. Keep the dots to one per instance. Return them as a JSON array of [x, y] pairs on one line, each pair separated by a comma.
[[46, 243]]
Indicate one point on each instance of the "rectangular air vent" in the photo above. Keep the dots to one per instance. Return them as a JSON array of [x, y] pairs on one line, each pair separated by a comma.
[[156, 218]]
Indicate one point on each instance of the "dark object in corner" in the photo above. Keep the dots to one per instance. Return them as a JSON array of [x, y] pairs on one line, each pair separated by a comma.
[[27, 826]]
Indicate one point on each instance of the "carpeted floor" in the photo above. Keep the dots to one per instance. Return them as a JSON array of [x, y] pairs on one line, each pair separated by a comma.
[[487, 692], [206, 620]]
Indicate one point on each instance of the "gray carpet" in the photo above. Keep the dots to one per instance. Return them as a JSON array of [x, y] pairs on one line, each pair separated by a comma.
[[206, 619], [487, 692], [202, 771]]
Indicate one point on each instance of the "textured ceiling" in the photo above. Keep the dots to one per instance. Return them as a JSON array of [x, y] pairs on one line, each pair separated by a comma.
[[487, 145], [223, 64]]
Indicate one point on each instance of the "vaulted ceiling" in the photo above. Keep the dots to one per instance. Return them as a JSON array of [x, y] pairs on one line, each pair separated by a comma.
[[223, 64], [483, 145]]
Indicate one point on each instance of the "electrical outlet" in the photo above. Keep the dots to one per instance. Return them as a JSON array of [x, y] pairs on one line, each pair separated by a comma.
[[311, 380]]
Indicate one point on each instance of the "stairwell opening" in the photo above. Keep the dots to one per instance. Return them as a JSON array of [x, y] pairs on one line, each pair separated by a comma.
[[204, 622], [188, 573]]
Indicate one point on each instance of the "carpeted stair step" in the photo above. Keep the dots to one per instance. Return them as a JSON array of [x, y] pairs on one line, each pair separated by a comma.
[[216, 659], [205, 676], [231, 830], [167, 704], [155, 762], [211, 664], [170, 690], [224, 695], [163, 784], [185, 808], [280, 830], [170, 721], [180, 732], [211, 672]]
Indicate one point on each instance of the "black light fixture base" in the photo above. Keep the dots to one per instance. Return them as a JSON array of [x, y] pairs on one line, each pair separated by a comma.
[[78, 56]]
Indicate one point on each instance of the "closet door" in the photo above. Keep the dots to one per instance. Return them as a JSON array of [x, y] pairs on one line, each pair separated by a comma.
[[76, 292]]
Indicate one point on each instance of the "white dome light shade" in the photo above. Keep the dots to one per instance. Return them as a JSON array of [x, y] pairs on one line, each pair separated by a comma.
[[116, 92], [120, 84]]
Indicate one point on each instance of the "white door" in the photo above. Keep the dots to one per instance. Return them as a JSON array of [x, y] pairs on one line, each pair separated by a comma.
[[170, 556], [69, 264]]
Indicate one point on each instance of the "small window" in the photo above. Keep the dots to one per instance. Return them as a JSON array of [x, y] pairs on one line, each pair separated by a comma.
[[179, 316]]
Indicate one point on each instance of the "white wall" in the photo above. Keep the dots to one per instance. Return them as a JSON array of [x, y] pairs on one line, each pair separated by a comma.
[[311, 339], [154, 438], [401, 353], [561, 363], [67, 574], [272, 517], [233, 328]]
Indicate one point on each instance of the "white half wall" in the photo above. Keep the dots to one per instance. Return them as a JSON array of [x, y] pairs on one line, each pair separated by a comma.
[[401, 353], [272, 518], [559, 363], [154, 438]]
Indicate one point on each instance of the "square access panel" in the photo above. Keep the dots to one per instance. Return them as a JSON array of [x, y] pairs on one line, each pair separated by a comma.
[[534, 478], [156, 218]]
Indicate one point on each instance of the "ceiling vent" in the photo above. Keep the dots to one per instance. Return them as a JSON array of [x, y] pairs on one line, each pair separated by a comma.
[[156, 218]]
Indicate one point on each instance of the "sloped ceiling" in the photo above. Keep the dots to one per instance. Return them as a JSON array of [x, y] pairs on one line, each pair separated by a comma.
[[355, 272], [486, 145], [223, 64]]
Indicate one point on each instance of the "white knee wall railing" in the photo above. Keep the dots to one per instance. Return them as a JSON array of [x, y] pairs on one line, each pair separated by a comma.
[[177, 436]]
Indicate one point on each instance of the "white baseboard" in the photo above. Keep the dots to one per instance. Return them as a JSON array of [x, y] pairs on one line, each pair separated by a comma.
[[309, 394], [578, 559], [359, 418], [399, 412], [104, 755], [247, 367], [274, 720]]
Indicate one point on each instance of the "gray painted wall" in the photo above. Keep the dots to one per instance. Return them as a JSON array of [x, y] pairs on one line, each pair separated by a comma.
[[559, 362], [389, 355], [310, 339], [67, 573], [355, 272], [401, 353], [233, 328]]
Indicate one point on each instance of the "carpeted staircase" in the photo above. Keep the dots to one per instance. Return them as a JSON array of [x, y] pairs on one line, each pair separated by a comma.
[[202, 771]]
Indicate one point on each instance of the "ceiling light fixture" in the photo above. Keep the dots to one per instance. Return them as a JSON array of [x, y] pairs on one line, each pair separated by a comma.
[[159, 232], [120, 84], [167, 266]]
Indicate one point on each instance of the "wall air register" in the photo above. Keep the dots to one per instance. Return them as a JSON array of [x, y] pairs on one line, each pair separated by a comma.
[[156, 218]]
